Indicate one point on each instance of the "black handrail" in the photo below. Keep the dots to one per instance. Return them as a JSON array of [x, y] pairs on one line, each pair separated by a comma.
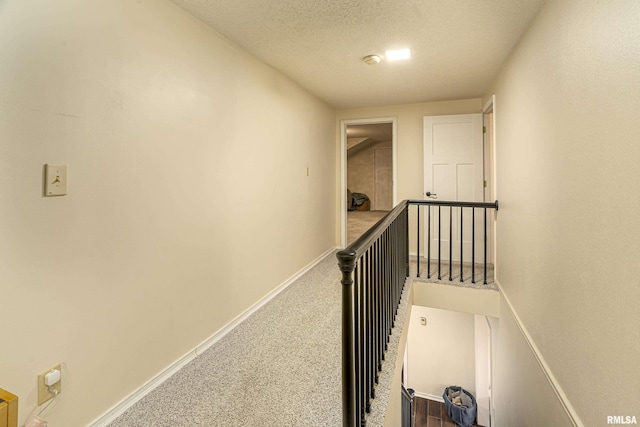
[[493, 205], [374, 270], [408, 395], [364, 242]]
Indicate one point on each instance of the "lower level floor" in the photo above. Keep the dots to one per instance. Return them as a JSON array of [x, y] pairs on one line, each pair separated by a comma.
[[429, 413]]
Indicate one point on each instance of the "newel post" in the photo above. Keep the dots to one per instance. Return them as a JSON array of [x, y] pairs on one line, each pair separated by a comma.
[[347, 263]]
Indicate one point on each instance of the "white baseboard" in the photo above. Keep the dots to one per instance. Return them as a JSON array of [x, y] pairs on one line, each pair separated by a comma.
[[429, 396], [118, 409], [555, 385]]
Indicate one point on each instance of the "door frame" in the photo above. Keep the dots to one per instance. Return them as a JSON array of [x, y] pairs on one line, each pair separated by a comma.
[[343, 166], [484, 365], [490, 107]]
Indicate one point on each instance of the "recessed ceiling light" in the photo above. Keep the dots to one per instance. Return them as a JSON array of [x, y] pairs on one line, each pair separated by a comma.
[[371, 59], [397, 55]]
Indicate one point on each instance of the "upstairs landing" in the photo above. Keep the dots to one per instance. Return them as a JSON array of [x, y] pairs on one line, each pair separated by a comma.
[[454, 295], [429, 273]]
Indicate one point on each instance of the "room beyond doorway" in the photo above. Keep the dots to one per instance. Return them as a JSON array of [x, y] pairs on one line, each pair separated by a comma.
[[358, 222], [368, 166]]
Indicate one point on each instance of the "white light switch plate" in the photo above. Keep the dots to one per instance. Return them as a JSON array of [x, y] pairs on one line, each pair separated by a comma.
[[55, 180]]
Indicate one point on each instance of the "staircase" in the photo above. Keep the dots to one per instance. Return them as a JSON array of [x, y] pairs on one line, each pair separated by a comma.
[[375, 269]]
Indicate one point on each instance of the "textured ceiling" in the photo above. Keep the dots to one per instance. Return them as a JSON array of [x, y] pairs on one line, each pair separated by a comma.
[[457, 45]]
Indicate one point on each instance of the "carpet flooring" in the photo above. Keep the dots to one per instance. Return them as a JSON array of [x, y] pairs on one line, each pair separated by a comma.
[[280, 367], [429, 273]]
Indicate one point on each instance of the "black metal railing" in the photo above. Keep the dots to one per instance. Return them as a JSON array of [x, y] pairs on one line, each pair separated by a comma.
[[408, 418], [374, 270], [433, 207]]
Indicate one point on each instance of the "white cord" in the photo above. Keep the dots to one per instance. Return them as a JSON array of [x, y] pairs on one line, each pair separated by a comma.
[[55, 392]]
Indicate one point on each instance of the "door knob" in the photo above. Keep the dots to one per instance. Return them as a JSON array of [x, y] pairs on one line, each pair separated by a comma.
[[431, 195]]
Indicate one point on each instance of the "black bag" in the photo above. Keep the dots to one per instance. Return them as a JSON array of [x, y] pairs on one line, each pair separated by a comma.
[[460, 415]]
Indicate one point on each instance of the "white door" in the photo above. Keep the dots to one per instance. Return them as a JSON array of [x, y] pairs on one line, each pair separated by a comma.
[[453, 170]]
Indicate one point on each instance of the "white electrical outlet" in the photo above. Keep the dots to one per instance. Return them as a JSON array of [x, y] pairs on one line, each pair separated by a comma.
[[52, 377], [55, 180], [49, 384]]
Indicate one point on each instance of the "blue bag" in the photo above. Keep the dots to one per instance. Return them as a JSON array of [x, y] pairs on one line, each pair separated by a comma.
[[459, 414]]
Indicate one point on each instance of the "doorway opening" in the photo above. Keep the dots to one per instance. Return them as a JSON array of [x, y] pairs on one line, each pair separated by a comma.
[[368, 174], [446, 347], [459, 167]]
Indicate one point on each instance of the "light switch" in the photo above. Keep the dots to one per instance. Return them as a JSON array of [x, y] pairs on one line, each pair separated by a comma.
[[55, 180]]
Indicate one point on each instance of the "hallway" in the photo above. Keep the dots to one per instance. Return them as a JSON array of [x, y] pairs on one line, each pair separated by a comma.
[[281, 366]]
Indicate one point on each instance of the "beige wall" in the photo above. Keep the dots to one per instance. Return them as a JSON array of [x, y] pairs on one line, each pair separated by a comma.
[[568, 234], [457, 298], [181, 150], [409, 140], [409, 125], [442, 352], [521, 393]]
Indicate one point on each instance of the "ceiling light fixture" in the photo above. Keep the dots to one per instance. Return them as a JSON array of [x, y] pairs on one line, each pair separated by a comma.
[[371, 59], [397, 55]]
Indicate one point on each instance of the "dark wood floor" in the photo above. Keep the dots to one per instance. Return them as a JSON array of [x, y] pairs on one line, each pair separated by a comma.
[[430, 413]]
